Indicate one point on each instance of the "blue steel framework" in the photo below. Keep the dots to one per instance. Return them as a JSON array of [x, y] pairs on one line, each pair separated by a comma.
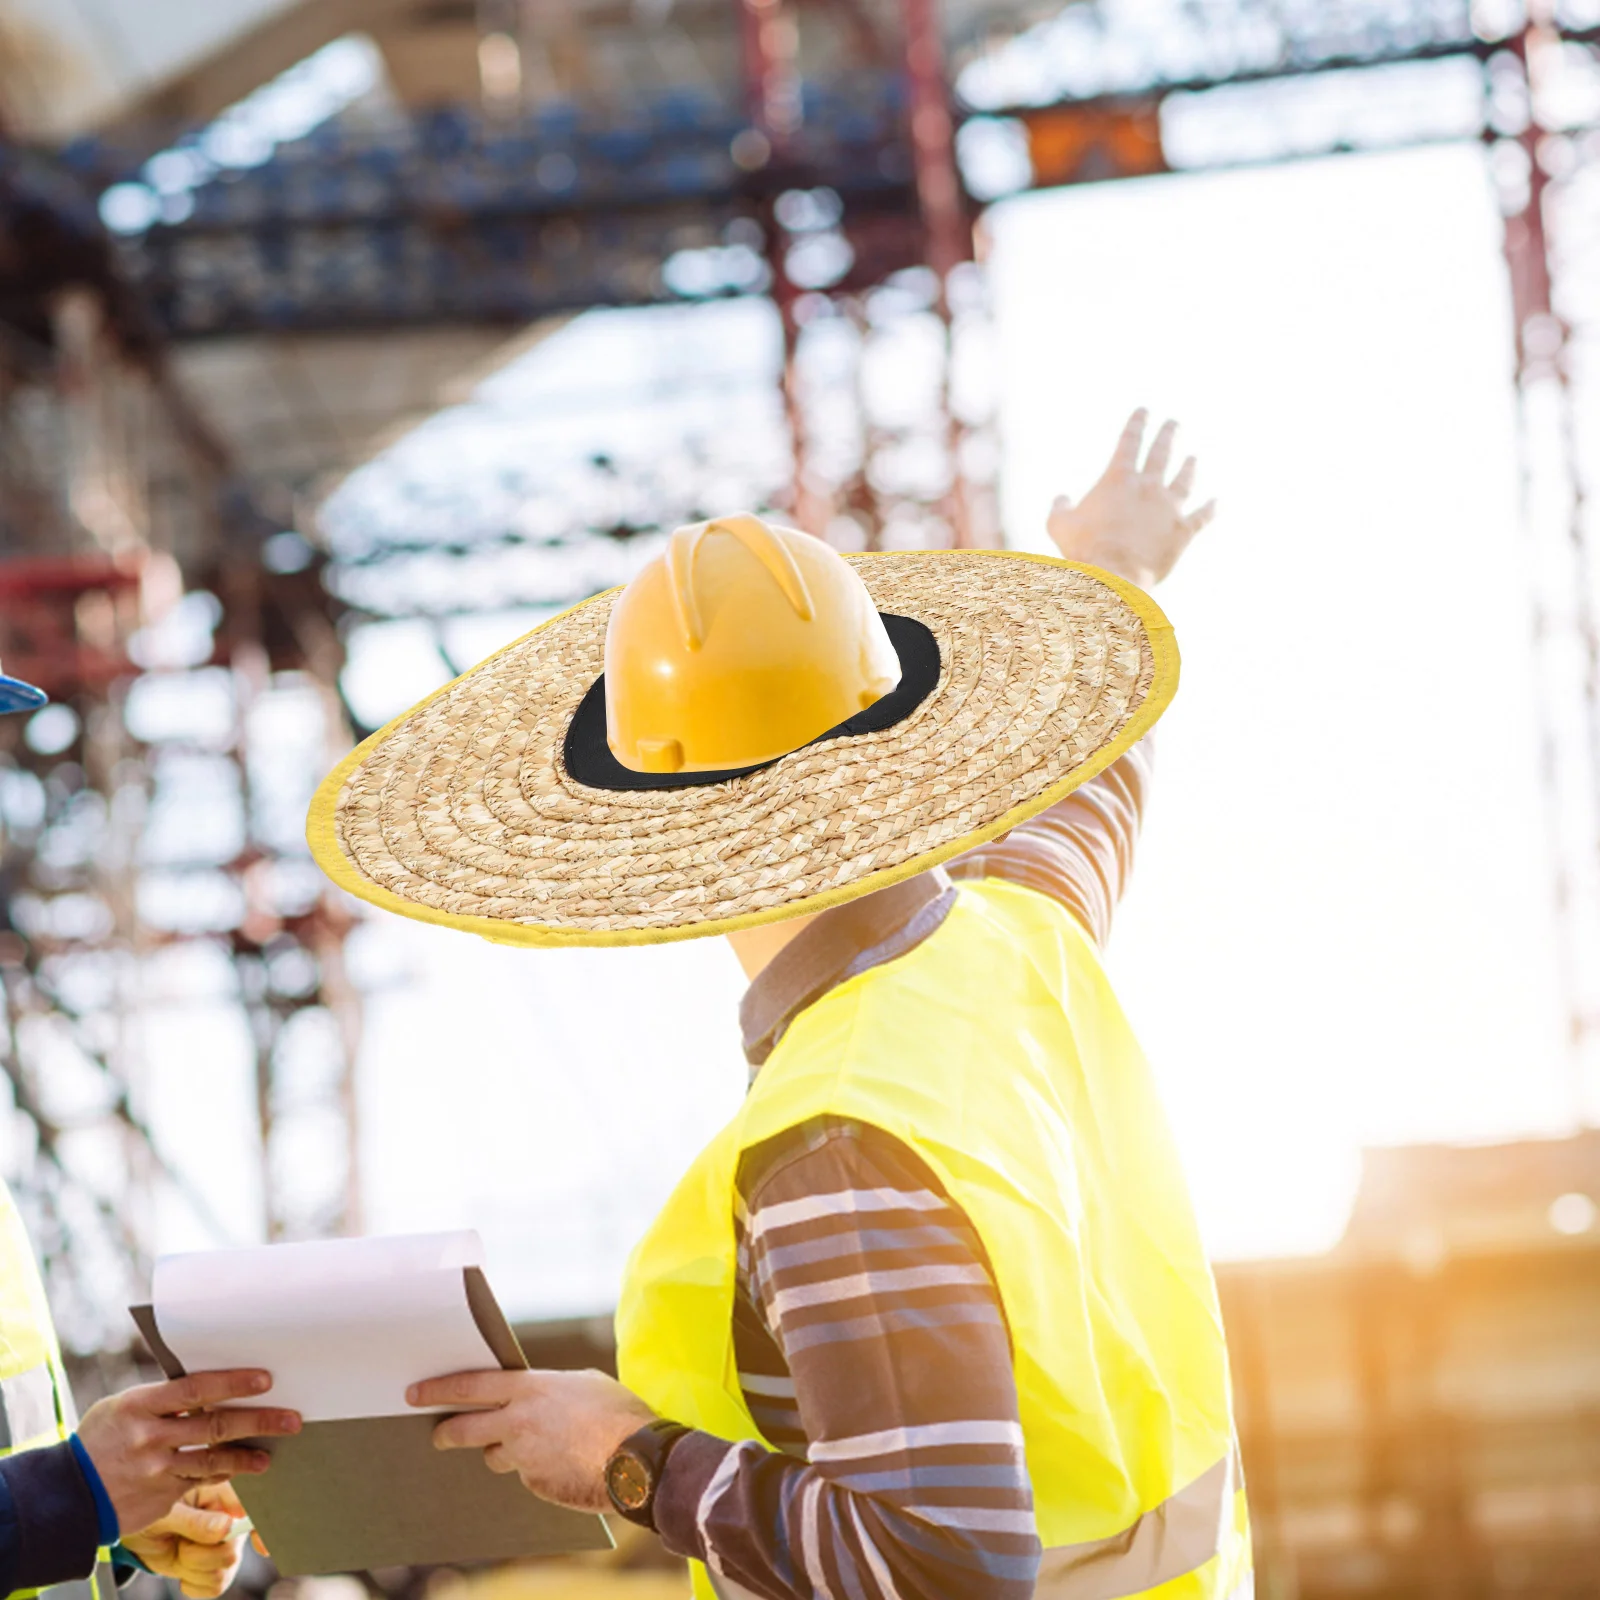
[[453, 216], [460, 214]]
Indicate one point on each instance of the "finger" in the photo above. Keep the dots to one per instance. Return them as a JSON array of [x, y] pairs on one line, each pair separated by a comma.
[[220, 1497], [465, 1389], [222, 1427], [470, 1430], [204, 1582], [1125, 458], [496, 1459], [213, 1466], [201, 1389], [197, 1526], [1155, 464], [156, 1550], [202, 1560], [1187, 529], [1184, 482], [1061, 505]]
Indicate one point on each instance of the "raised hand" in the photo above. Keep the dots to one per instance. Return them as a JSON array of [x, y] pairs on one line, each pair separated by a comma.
[[1132, 522]]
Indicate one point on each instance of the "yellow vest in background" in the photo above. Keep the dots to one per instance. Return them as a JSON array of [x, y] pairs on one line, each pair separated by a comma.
[[34, 1392], [997, 1051]]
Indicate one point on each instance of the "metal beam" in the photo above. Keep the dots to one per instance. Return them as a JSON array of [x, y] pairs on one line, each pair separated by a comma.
[[195, 96]]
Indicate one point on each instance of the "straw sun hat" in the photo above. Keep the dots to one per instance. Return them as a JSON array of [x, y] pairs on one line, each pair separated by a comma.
[[494, 806]]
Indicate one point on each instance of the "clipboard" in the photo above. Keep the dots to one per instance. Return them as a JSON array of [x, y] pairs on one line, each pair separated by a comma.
[[356, 1493]]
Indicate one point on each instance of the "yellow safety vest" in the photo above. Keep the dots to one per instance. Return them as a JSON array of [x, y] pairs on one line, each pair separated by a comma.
[[36, 1405], [997, 1051]]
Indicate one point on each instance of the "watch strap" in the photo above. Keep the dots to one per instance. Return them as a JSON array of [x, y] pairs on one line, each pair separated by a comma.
[[649, 1446]]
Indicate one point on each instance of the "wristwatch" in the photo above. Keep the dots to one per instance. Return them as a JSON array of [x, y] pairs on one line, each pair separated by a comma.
[[634, 1471]]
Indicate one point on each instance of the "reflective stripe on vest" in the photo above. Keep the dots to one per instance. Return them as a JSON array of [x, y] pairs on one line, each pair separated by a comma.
[[998, 1053], [28, 1408], [35, 1398], [1048, 1588], [99, 1585], [1177, 1537]]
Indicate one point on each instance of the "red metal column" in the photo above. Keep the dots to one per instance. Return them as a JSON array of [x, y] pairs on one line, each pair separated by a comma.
[[1565, 625], [933, 144], [770, 40], [946, 227]]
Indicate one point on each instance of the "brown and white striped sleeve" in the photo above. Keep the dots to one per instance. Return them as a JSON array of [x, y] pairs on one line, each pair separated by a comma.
[[1080, 851]]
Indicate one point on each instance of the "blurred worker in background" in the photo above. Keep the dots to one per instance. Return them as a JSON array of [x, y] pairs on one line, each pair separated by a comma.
[[931, 1318], [154, 1460]]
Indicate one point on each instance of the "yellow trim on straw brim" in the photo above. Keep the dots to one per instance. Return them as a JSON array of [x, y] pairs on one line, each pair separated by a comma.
[[322, 832]]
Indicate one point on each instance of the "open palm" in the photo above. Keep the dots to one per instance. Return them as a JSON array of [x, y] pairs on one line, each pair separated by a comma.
[[1132, 522]]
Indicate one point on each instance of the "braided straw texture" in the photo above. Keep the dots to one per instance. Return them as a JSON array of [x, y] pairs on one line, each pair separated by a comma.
[[462, 811]]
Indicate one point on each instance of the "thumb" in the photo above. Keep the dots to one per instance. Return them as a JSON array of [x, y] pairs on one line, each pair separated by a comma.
[[203, 1527], [216, 1497]]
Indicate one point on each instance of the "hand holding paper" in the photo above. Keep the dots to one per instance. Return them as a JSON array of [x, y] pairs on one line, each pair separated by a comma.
[[555, 1430], [153, 1443], [346, 1326]]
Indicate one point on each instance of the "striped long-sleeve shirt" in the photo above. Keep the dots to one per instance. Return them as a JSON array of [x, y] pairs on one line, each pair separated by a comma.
[[871, 1343]]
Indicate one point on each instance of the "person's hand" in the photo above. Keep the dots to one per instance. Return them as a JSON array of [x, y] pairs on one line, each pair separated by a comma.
[[555, 1430], [194, 1544], [156, 1442], [1132, 522]]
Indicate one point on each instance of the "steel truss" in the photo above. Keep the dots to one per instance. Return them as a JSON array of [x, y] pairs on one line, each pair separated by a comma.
[[151, 868]]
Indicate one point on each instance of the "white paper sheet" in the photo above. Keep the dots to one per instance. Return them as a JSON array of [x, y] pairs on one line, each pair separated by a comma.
[[343, 1325]]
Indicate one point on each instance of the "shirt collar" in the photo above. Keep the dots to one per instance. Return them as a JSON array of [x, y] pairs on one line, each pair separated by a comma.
[[839, 944]]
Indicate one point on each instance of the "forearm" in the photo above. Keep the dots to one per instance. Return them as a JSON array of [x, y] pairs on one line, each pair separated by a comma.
[[789, 1531], [48, 1526], [1080, 852]]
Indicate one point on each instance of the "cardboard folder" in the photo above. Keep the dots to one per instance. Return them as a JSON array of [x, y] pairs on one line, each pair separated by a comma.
[[354, 1493]]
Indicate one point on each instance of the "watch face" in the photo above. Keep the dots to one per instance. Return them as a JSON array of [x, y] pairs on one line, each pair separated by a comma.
[[628, 1479]]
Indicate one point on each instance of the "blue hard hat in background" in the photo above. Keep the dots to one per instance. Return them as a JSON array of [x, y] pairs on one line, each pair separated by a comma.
[[15, 695]]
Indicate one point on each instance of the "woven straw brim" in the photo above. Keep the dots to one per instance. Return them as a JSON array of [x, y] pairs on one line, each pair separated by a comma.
[[462, 812]]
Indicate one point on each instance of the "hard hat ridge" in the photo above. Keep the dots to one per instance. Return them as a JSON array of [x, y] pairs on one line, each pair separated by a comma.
[[759, 540], [741, 643]]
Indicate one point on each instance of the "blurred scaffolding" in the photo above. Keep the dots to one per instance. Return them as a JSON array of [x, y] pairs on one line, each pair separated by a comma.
[[152, 811], [835, 160]]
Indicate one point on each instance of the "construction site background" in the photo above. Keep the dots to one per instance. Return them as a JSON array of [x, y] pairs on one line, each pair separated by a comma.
[[245, 252]]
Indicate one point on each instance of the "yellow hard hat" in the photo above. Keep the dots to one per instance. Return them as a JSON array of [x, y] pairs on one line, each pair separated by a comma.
[[738, 644]]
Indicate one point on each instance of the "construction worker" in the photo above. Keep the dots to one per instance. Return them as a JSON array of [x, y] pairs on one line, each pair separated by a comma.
[[930, 1317], [154, 1460]]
